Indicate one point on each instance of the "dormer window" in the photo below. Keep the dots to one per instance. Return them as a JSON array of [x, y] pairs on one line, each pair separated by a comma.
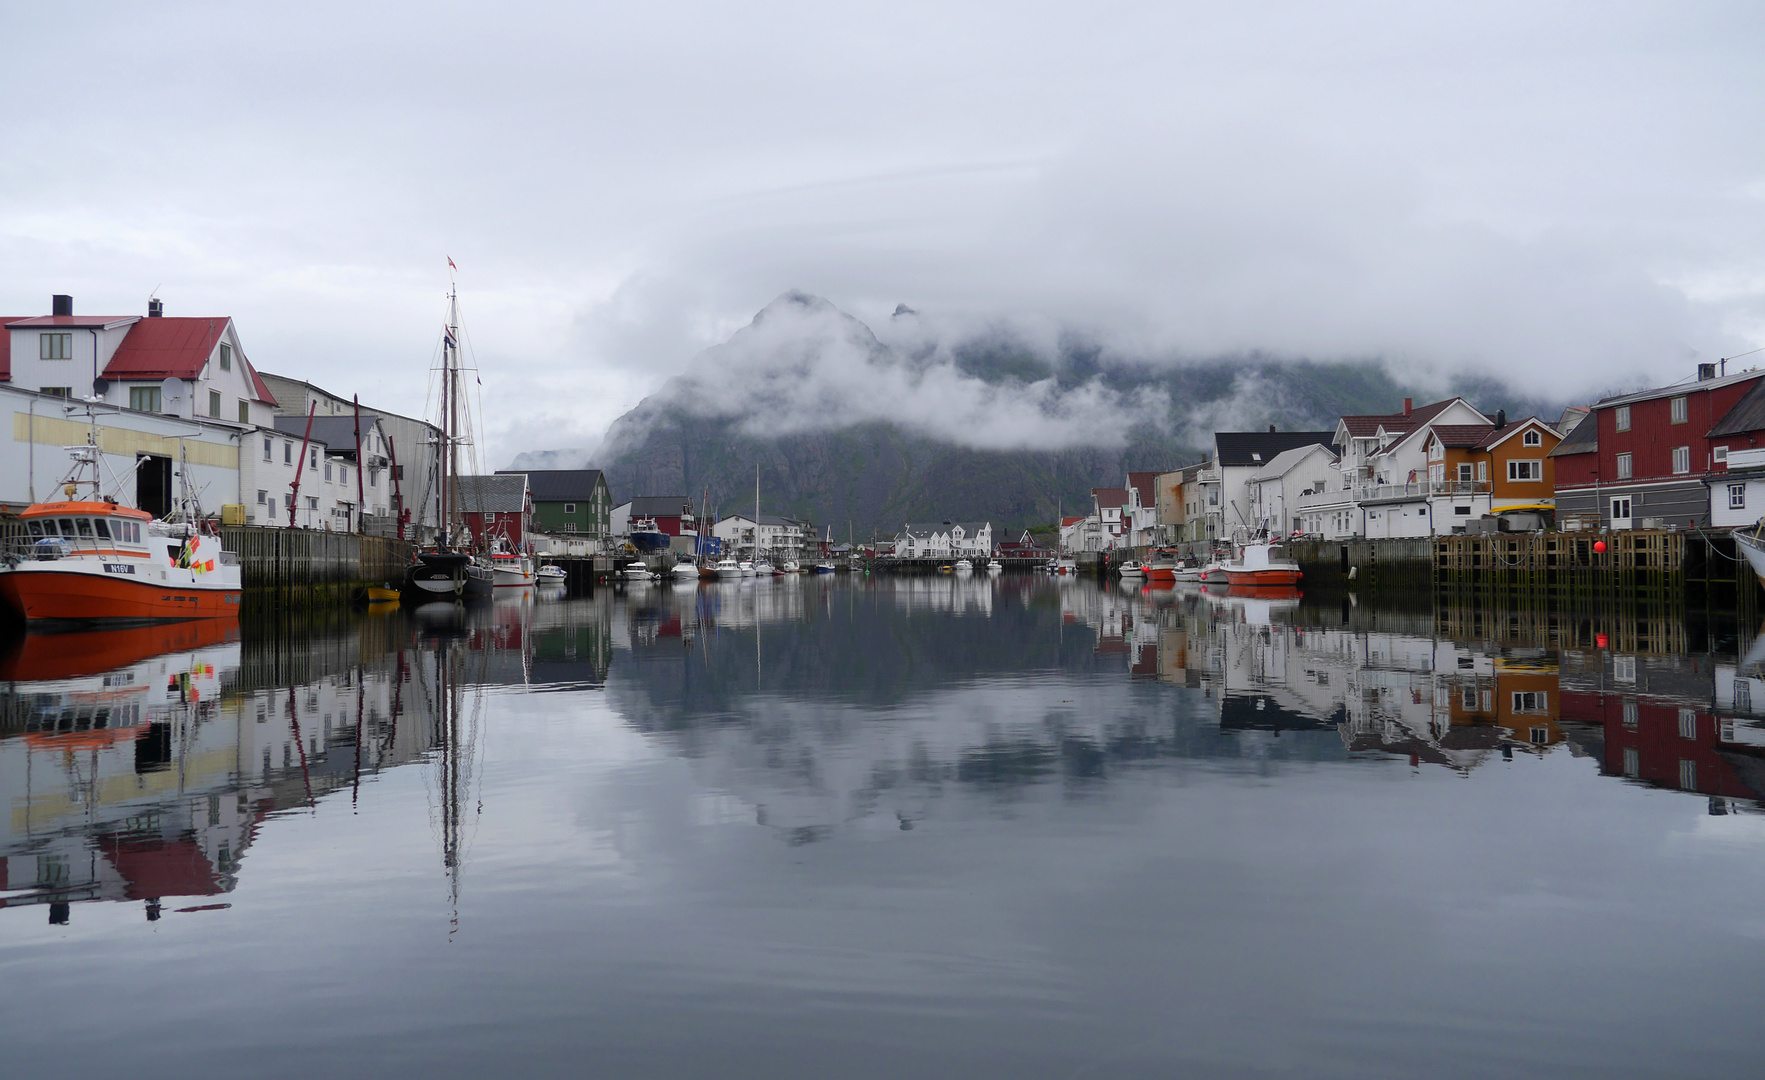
[[1532, 438], [55, 346], [226, 357]]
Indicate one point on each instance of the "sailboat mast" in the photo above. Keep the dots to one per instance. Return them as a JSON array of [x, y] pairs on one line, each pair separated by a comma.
[[451, 362], [756, 511]]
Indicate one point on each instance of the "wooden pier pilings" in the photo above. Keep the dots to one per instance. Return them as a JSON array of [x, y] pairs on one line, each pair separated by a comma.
[[297, 567]]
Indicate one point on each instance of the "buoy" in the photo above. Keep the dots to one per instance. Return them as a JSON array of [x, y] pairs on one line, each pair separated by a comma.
[[1599, 547]]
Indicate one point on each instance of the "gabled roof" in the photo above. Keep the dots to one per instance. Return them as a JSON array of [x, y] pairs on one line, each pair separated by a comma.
[[559, 485], [6, 345], [1585, 439], [495, 494], [1067, 522], [1146, 483], [1110, 497], [176, 348], [1747, 414], [1365, 427], [1463, 436], [1502, 435], [1258, 448], [660, 506], [1281, 463]]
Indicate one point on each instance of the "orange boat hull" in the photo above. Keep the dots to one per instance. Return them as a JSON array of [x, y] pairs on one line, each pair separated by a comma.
[[51, 595], [1262, 577]]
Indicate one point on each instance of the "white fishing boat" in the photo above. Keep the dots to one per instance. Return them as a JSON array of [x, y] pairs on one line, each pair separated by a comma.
[[963, 566], [511, 570], [89, 559], [727, 569], [550, 573], [637, 572], [1131, 568]]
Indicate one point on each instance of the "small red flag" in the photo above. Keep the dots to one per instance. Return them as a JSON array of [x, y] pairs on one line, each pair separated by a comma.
[[451, 265]]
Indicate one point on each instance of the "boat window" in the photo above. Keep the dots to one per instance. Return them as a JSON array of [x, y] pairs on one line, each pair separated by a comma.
[[67, 527], [85, 526], [36, 527], [101, 528]]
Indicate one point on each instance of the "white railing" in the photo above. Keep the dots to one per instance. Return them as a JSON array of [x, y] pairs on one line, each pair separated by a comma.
[[1420, 489]]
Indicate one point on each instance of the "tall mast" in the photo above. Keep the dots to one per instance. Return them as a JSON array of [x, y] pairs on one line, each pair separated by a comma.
[[756, 511], [451, 361]]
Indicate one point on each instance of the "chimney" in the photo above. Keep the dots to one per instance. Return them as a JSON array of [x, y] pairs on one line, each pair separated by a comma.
[[155, 307], [1706, 372], [1408, 405], [1271, 429], [1501, 418], [61, 304]]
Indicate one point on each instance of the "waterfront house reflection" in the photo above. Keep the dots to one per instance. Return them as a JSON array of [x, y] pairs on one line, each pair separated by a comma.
[[147, 781]]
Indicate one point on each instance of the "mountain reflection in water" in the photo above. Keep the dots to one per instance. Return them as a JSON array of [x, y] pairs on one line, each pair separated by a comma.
[[932, 811]]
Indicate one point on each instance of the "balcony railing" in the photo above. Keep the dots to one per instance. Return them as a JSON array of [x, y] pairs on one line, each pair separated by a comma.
[[1420, 489]]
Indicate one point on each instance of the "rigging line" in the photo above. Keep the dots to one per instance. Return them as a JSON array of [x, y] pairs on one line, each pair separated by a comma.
[[1737, 356]]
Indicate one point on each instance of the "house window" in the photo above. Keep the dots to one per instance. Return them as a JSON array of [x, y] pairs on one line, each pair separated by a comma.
[[569, 526], [1468, 699], [327, 470], [58, 391], [1531, 701], [1632, 762], [1743, 696], [55, 346], [1621, 508], [1682, 459], [1688, 774], [144, 398], [1464, 472], [1688, 723], [343, 474], [1483, 472], [1719, 454], [244, 411], [312, 461], [214, 404], [1678, 410], [1528, 469], [267, 445], [1461, 511], [1737, 496], [569, 508], [1532, 438], [226, 357], [262, 497], [1623, 466], [312, 502], [1540, 736], [1624, 669], [1621, 418], [288, 453]]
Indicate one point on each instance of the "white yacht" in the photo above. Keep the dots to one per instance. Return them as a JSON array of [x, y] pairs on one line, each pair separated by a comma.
[[685, 569], [727, 568], [963, 566]]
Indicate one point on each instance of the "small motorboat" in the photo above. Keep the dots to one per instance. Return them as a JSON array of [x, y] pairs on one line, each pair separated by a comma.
[[947, 568], [1066, 566], [1131, 568], [725, 569], [963, 566], [745, 568], [685, 569], [994, 566], [550, 572], [824, 568], [637, 572], [791, 567], [762, 569], [1186, 570]]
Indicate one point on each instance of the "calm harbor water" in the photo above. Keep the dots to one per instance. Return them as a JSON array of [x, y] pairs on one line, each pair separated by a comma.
[[887, 827]]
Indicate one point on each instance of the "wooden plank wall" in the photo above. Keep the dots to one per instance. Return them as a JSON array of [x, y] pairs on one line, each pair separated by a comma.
[[272, 559]]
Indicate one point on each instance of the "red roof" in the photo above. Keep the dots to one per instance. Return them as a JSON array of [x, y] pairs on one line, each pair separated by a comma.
[[6, 344], [78, 322], [1110, 497], [1463, 435], [153, 867], [1365, 427], [1065, 521], [175, 348], [1146, 483]]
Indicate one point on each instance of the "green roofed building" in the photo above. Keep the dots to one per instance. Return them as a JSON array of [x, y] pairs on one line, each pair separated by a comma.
[[569, 502]]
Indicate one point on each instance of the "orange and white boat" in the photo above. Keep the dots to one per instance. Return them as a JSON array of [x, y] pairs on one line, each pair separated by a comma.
[[1260, 564], [93, 560]]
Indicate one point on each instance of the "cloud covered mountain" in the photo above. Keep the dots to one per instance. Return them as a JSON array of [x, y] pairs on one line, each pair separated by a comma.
[[852, 429]]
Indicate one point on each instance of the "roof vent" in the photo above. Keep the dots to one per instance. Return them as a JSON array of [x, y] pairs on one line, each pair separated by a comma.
[[155, 307], [1706, 372], [61, 304]]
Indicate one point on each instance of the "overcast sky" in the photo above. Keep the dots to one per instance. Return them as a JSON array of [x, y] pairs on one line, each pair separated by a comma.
[[1565, 195]]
